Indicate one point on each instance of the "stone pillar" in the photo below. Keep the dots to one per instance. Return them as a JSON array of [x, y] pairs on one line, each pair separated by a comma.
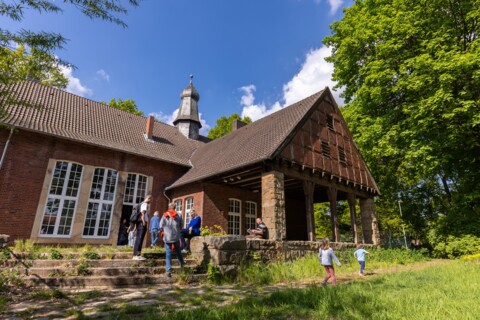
[[369, 221], [353, 216], [308, 189], [332, 198], [273, 205]]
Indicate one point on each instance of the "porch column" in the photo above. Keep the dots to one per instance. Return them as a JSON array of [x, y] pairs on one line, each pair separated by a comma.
[[332, 197], [308, 189], [353, 216], [369, 221], [273, 205]]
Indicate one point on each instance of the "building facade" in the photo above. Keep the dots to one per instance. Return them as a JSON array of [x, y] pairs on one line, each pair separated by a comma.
[[72, 169]]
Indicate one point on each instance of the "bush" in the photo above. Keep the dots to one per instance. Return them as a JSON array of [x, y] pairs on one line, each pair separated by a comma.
[[55, 254], [454, 247], [216, 230]]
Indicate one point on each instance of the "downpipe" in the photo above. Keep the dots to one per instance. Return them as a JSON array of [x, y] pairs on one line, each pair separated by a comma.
[[4, 153]]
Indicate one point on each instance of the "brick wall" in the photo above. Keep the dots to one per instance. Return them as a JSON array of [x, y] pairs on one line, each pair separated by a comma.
[[211, 202], [25, 167]]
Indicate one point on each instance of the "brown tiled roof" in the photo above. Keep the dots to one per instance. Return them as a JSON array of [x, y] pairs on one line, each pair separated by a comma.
[[75, 118], [248, 145]]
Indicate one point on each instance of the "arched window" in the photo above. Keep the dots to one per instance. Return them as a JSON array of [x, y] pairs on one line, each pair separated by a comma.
[[100, 204], [62, 199]]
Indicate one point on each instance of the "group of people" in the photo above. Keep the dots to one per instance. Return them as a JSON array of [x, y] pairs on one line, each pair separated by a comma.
[[166, 228], [327, 257]]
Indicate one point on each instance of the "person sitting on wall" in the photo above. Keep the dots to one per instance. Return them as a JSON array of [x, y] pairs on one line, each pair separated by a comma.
[[261, 232], [192, 230]]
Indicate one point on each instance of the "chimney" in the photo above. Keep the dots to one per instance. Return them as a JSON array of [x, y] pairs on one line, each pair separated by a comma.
[[237, 124], [149, 127]]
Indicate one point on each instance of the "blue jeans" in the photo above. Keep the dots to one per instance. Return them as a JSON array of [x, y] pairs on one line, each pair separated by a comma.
[[362, 266], [154, 233], [168, 255]]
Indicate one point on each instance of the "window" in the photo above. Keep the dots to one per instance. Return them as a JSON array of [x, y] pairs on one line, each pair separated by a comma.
[[188, 208], [234, 216], [250, 214], [100, 205], [325, 148], [330, 124], [135, 189], [341, 156], [178, 206], [62, 199]]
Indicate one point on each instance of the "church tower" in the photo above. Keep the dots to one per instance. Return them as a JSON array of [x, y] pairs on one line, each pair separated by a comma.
[[188, 121]]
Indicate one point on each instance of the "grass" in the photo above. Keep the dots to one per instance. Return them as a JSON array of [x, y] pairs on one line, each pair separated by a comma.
[[437, 292], [308, 267]]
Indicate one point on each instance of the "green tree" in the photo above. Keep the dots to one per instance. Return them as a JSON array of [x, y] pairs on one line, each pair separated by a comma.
[[42, 64], [411, 72], [128, 105], [224, 125]]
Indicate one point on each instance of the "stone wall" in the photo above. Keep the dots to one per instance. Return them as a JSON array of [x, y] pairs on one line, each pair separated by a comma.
[[229, 252]]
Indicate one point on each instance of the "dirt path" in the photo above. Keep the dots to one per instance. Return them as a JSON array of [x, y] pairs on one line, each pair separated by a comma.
[[100, 303]]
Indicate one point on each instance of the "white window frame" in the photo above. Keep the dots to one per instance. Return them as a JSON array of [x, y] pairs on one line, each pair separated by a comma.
[[178, 206], [101, 204], [138, 181], [62, 198], [234, 216], [189, 203], [250, 214]]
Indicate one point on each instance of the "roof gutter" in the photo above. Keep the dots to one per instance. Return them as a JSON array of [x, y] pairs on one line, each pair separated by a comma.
[[4, 153]]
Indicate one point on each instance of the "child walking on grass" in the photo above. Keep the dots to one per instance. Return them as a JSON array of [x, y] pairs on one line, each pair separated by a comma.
[[325, 256], [360, 254]]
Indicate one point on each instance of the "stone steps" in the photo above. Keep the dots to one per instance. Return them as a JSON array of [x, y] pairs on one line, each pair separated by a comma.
[[116, 269], [106, 282]]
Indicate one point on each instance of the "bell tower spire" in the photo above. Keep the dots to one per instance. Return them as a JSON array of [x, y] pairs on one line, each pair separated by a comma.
[[188, 120]]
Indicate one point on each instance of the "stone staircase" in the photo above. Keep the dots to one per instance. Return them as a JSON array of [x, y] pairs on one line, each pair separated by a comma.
[[113, 270]]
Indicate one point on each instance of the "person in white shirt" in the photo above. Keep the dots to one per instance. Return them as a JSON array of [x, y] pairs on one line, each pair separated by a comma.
[[141, 227], [325, 256]]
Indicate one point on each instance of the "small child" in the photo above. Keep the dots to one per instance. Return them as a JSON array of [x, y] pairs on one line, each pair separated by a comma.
[[325, 256], [360, 254], [132, 234]]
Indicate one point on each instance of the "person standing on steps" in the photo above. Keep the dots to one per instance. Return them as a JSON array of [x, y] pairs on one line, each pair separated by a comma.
[[360, 254], [141, 227], [325, 256], [155, 228], [171, 223]]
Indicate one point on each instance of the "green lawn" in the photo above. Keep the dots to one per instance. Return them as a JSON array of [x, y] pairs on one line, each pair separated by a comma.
[[450, 291]]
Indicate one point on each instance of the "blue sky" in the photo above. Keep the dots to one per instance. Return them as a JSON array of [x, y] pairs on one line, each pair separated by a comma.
[[250, 57]]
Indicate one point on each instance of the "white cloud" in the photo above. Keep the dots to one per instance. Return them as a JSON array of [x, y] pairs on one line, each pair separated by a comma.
[[169, 118], [254, 111], [334, 5], [314, 75], [104, 75], [74, 85]]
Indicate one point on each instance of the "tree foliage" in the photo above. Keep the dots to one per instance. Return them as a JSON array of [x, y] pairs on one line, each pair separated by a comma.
[[33, 52], [411, 72], [128, 105], [224, 125]]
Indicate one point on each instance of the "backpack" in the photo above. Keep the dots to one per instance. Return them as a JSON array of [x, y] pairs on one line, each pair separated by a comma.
[[136, 211]]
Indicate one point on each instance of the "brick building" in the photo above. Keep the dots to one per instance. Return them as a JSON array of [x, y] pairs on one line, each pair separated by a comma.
[[71, 168]]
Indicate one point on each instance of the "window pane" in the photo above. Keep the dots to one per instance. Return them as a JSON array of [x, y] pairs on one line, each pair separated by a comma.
[[110, 183], [141, 188], [104, 220], [92, 212], [58, 178], [50, 216], [66, 218], [96, 191], [129, 189]]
